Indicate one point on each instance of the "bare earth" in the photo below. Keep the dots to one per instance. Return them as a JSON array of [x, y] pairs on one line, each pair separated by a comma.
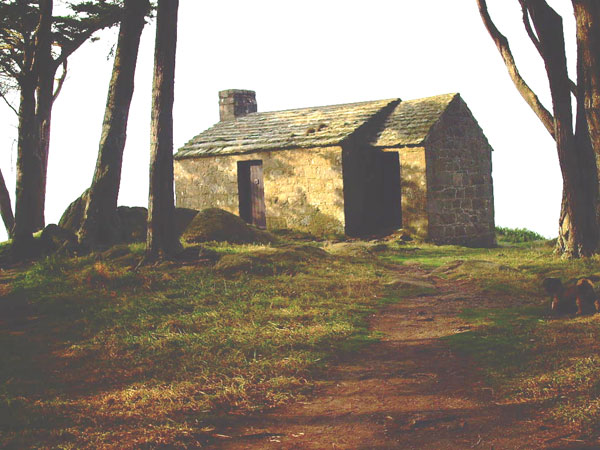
[[408, 391]]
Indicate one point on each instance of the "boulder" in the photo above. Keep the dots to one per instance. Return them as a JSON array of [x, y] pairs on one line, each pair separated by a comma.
[[132, 223], [183, 217], [132, 220], [73, 215], [214, 224], [55, 238]]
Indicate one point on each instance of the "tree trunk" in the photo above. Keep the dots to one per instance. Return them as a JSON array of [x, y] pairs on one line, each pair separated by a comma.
[[579, 225], [6, 208], [587, 15], [162, 235], [45, 71], [28, 164], [575, 153], [587, 182], [100, 222]]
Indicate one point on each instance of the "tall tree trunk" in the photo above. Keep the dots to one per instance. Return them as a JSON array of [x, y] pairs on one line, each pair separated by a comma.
[[6, 208], [579, 231], [587, 183], [28, 164], [43, 117], [45, 71], [575, 154], [162, 236], [587, 15], [100, 224]]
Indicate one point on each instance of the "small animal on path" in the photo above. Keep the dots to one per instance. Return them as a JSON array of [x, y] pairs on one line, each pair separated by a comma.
[[579, 298]]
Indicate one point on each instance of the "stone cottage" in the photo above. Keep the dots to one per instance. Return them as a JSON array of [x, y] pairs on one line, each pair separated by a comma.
[[359, 168]]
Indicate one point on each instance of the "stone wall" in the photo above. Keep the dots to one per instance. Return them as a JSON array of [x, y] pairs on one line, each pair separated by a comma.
[[303, 187], [459, 171]]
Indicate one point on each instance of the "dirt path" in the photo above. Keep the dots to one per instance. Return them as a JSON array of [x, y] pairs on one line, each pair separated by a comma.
[[408, 391]]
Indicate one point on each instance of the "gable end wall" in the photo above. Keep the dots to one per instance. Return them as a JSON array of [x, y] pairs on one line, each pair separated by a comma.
[[459, 172]]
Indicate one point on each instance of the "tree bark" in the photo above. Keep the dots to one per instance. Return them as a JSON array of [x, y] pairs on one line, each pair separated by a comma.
[[6, 208], [100, 222], [587, 15], [579, 230], [575, 154], [28, 164], [45, 71], [162, 235]]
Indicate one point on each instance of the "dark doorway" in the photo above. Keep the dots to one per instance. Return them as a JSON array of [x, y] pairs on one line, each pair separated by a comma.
[[251, 192], [392, 195]]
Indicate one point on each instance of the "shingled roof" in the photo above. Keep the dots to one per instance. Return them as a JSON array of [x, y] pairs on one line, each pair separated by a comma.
[[411, 120], [407, 124]]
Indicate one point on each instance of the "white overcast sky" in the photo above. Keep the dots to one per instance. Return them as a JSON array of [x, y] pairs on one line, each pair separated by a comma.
[[310, 53]]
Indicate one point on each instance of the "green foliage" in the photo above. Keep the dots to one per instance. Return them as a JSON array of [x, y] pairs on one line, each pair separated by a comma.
[[19, 21], [517, 235]]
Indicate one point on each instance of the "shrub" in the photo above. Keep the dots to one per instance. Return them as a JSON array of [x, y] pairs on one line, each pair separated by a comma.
[[516, 235]]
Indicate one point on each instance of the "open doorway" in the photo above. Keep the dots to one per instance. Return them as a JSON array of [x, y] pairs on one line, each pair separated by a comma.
[[392, 194], [251, 192]]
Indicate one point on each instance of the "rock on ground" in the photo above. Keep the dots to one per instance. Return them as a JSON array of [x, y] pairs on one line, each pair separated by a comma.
[[214, 224]]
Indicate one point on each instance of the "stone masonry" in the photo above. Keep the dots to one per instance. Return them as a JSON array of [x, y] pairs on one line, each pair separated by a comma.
[[303, 187], [460, 192]]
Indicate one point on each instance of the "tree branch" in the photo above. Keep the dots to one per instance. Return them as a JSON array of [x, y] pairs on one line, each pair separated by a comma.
[[526, 92], [529, 28], [7, 68], [8, 103], [67, 50], [536, 41]]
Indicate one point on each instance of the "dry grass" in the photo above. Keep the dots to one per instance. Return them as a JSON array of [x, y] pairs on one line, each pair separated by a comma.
[[98, 356], [95, 355]]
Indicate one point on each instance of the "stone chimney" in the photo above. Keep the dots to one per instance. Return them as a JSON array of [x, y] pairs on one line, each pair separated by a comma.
[[235, 103]]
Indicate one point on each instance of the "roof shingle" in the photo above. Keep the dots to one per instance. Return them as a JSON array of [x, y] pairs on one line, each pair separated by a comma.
[[306, 127], [408, 124], [411, 120]]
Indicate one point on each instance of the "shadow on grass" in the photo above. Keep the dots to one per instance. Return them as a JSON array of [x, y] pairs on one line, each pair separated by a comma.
[[89, 341], [503, 342]]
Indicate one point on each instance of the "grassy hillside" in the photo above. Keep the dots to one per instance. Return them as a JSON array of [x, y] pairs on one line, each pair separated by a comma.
[[96, 355]]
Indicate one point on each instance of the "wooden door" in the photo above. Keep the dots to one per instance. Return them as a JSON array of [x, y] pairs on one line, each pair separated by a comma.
[[251, 192], [257, 196]]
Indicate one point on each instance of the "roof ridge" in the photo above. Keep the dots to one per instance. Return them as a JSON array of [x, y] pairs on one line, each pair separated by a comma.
[[388, 100]]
